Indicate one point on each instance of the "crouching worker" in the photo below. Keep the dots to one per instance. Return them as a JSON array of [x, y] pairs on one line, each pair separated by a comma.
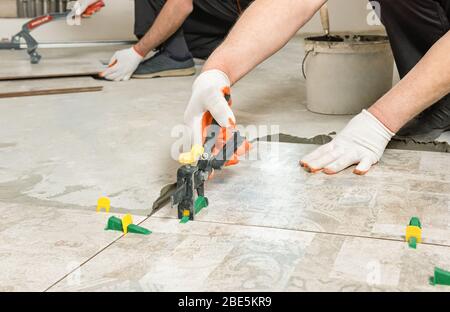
[[178, 29]]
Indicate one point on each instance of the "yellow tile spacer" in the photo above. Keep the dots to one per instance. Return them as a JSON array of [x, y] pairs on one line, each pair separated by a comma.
[[192, 156], [126, 221], [103, 203], [413, 231]]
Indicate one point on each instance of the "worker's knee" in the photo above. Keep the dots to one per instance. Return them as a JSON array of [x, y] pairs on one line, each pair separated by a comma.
[[145, 13]]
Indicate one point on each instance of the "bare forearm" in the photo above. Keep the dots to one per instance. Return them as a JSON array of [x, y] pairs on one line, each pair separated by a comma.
[[425, 84], [264, 28], [169, 20]]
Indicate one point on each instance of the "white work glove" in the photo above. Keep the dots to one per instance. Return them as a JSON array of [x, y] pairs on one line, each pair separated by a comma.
[[208, 93], [122, 65], [361, 142], [80, 6]]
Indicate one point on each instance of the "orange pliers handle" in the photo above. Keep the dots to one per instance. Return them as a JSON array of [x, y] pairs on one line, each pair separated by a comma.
[[93, 8], [224, 134]]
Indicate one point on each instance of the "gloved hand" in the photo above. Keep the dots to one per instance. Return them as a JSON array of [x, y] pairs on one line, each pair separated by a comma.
[[80, 6], [208, 95], [122, 65], [361, 142]]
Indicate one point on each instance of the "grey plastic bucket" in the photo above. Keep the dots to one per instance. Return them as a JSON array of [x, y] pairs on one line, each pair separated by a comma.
[[347, 73]]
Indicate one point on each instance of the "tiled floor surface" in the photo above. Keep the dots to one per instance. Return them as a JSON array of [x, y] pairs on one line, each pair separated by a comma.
[[270, 225]]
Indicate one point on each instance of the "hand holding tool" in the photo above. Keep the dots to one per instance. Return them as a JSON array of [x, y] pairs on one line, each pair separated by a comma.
[[220, 148], [189, 195], [86, 8], [208, 102]]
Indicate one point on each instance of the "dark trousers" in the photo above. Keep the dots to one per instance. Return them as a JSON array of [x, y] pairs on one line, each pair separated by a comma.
[[413, 26], [201, 33]]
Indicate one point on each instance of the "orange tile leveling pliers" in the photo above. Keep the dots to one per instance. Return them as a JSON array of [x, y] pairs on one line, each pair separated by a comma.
[[188, 193], [31, 43]]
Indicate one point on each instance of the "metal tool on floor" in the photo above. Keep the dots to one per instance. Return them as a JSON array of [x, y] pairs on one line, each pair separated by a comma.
[[28, 27], [188, 193]]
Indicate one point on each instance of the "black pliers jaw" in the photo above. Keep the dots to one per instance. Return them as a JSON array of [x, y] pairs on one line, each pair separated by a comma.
[[189, 196]]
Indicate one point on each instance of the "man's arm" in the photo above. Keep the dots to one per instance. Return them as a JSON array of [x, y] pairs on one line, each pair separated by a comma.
[[425, 84], [263, 29], [169, 20], [364, 139]]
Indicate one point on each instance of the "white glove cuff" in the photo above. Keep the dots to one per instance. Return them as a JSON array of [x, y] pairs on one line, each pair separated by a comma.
[[137, 52], [367, 131], [213, 77], [389, 133]]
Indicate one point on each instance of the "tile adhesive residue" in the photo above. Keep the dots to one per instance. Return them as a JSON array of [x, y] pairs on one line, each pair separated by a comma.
[[396, 142]]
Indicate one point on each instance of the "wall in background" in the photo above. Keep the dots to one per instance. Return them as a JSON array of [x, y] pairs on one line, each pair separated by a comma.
[[8, 8], [345, 15], [115, 22]]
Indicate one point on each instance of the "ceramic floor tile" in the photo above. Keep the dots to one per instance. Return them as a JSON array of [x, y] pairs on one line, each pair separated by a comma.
[[40, 245], [378, 262], [200, 256], [340, 263], [273, 191], [195, 256]]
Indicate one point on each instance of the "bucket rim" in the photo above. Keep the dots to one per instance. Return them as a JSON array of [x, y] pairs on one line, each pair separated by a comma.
[[379, 43], [377, 39]]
